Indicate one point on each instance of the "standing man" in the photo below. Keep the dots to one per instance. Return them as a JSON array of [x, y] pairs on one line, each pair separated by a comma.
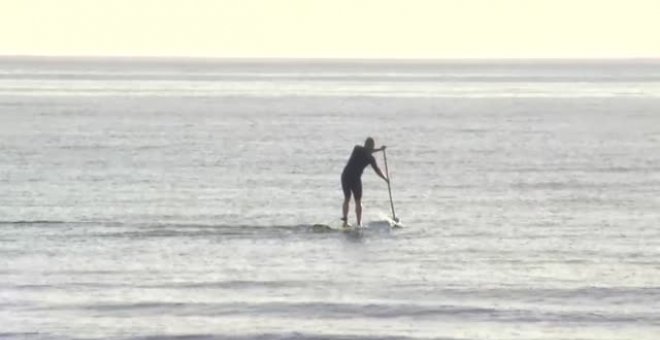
[[351, 177]]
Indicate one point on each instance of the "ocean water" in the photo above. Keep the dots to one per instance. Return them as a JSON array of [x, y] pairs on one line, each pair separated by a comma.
[[165, 198]]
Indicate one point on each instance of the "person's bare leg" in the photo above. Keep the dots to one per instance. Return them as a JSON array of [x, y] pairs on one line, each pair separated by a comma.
[[345, 210], [358, 212]]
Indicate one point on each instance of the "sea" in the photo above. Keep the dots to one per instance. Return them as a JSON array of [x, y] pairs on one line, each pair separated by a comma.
[[164, 198]]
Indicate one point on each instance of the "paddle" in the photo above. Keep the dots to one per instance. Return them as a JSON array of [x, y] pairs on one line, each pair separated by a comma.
[[389, 190]]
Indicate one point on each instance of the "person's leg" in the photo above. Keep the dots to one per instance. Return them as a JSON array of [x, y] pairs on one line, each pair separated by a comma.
[[357, 196], [358, 212], [345, 210], [347, 198]]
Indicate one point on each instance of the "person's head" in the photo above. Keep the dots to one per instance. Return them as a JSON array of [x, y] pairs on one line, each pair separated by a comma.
[[369, 143]]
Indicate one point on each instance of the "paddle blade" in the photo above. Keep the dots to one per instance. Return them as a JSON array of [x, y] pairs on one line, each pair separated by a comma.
[[395, 222]]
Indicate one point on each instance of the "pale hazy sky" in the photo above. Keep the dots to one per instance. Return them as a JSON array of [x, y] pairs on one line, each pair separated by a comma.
[[332, 28]]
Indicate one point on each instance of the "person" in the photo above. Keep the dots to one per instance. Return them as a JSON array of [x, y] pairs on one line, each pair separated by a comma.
[[351, 177]]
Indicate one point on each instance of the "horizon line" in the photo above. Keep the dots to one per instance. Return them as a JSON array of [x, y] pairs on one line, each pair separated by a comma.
[[318, 58]]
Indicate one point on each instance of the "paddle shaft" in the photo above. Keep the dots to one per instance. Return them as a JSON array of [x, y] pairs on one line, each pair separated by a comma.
[[389, 187]]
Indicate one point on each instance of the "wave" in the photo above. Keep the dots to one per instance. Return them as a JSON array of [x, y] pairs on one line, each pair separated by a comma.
[[331, 77], [168, 230], [123, 229], [21, 335], [34, 222], [255, 336], [331, 310], [281, 336]]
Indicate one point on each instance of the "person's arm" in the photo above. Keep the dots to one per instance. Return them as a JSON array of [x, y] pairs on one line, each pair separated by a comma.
[[377, 170], [379, 149]]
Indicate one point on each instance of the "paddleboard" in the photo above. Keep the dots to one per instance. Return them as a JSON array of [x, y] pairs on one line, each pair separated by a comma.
[[332, 228], [379, 225]]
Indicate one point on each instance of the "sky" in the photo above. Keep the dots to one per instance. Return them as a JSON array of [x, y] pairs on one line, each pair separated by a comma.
[[332, 28]]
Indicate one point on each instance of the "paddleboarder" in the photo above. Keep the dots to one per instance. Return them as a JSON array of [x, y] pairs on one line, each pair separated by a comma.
[[351, 177]]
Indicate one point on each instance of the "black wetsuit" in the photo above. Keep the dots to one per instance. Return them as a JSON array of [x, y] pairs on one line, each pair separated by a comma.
[[351, 180]]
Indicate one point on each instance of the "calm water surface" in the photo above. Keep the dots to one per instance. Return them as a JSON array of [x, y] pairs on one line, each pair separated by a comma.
[[175, 198]]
